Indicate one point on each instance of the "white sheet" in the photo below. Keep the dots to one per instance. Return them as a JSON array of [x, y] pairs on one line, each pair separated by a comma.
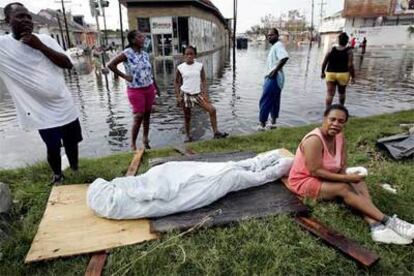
[[181, 186]]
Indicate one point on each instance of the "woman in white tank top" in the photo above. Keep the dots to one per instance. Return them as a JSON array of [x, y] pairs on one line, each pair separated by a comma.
[[191, 89]]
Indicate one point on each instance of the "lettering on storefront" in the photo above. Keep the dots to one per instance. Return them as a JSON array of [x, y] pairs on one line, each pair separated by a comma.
[[161, 25]]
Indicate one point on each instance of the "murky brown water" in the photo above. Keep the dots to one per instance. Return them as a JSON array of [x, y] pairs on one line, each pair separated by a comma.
[[385, 84]]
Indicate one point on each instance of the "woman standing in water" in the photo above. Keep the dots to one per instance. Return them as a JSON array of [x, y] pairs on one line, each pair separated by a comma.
[[339, 67], [191, 89], [141, 86]]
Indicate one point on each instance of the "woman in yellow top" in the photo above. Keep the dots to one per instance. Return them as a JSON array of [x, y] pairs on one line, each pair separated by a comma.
[[339, 67]]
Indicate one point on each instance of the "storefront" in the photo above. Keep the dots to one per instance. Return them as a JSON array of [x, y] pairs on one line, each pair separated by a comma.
[[166, 35], [169, 27]]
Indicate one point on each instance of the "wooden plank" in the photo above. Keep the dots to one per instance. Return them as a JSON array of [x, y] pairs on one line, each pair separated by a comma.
[[97, 261], [349, 247], [70, 228], [136, 162], [96, 264]]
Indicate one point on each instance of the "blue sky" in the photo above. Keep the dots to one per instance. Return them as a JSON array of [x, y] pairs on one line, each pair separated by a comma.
[[249, 11]]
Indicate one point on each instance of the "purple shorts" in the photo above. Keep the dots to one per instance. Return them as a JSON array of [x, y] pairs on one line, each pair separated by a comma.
[[142, 98]]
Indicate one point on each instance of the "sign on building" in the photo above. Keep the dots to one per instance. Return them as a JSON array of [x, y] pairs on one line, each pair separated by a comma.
[[161, 25], [367, 8], [403, 6]]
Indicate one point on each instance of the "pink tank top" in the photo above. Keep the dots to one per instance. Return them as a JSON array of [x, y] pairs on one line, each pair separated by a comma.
[[332, 163]]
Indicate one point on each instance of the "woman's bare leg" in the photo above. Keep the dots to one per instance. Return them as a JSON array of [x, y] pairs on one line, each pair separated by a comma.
[[356, 198], [341, 93], [207, 106], [138, 117], [146, 122], [330, 93], [187, 122]]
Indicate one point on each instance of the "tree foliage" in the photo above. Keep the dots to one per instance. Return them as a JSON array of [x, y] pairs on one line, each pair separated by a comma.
[[294, 22]]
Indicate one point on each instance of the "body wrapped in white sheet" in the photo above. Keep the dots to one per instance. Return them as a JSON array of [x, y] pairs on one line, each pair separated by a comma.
[[181, 186]]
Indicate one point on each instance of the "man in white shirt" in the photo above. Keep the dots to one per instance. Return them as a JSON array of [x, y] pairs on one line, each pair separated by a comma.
[[31, 68], [274, 80]]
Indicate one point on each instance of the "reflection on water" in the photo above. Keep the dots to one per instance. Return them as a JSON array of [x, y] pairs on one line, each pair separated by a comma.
[[385, 82]]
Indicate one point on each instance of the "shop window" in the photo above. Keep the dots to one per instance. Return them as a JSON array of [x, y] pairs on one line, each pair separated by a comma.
[[148, 43], [144, 25]]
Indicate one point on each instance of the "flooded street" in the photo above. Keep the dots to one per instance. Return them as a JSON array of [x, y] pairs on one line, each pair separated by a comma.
[[385, 83]]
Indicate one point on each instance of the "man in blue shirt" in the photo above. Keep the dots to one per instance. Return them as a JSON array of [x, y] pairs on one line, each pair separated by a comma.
[[274, 80]]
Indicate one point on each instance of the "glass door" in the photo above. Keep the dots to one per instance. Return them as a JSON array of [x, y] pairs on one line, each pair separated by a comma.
[[163, 44]]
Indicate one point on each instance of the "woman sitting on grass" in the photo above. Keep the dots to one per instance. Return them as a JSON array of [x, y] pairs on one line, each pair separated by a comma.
[[318, 172]]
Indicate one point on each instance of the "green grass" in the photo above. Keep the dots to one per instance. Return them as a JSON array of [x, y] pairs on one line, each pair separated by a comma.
[[275, 245]]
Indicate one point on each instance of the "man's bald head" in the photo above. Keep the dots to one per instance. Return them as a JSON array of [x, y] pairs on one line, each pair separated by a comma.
[[19, 19], [8, 9]]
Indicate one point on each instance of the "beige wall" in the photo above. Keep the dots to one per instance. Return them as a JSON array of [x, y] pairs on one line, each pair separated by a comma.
[[135, 12]]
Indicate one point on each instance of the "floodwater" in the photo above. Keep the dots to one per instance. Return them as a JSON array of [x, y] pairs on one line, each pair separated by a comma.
[[385, 83]]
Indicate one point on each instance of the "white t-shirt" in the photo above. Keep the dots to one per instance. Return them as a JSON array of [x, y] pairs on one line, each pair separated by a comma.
[[191, 75], [36, 84]]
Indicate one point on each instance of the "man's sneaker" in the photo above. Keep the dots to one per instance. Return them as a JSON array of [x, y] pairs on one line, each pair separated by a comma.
[[260, 127], [57, 179], [219, 135], [384, 234], [271, 126], [401, 227]]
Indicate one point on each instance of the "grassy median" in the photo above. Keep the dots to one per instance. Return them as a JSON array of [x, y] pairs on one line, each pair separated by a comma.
[[275, 245]]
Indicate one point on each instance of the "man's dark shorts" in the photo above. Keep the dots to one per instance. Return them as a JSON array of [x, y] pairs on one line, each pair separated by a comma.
[[70, 134]]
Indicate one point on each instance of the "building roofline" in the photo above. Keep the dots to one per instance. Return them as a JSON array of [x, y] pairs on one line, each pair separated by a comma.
[[206, 4]]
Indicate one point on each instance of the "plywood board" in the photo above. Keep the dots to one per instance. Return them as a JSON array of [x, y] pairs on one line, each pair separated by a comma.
[[98, 259], [69, 227]]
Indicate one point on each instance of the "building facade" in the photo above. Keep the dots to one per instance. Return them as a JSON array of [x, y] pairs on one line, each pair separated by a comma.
[[170, 26], [81, 34], [50, 22], [382, 22], [330, 28]]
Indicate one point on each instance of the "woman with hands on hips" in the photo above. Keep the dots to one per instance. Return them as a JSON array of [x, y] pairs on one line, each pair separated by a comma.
[[141, 85]]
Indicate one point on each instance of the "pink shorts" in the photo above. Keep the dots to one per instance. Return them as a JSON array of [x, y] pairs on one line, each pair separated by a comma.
[[308, 187], [142, 98]]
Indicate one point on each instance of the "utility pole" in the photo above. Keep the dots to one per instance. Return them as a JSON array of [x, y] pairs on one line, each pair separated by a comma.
[[313, 8], [66, 24], [234, 32], [122, 29], [102, 6], [61, 30]]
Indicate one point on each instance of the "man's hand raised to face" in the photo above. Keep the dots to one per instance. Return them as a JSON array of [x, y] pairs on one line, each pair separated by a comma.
[[32, 40]]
